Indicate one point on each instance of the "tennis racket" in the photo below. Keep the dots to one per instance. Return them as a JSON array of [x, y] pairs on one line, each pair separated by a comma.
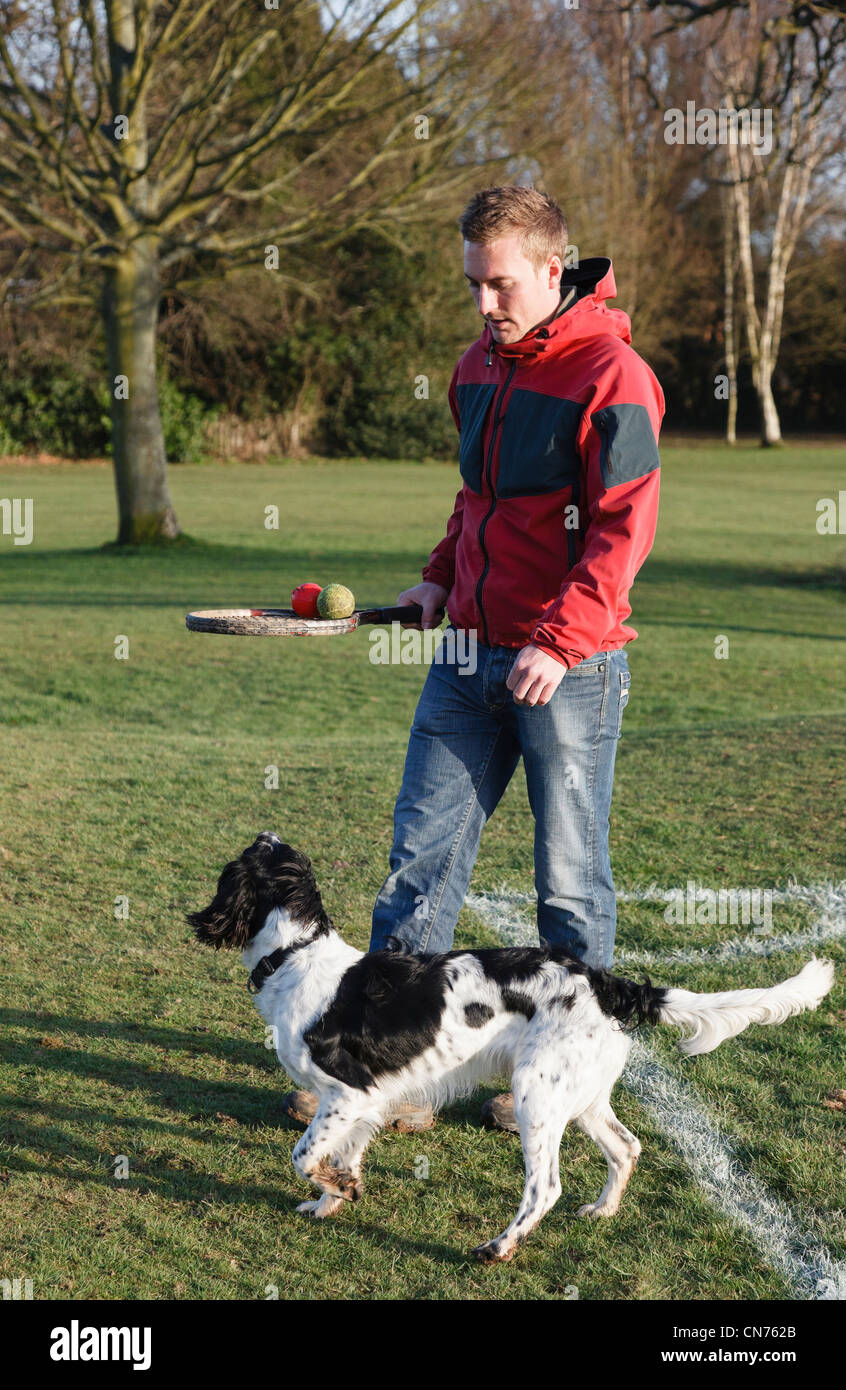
[[284, 622]]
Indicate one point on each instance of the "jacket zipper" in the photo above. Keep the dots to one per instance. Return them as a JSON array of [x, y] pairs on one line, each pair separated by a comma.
[[488, 467], [575, 501]]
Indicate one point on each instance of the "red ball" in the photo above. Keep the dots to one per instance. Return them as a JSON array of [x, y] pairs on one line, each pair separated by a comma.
[[304, 600]]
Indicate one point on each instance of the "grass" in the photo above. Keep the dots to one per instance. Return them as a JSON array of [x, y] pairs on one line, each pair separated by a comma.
[[136, 779]]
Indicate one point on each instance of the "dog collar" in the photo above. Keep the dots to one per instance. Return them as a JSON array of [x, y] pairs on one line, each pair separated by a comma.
[[268, 965]]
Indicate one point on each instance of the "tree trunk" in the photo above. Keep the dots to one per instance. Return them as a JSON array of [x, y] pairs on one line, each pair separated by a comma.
[[130, 305], [770, 423], [729, 314], [130, 314]]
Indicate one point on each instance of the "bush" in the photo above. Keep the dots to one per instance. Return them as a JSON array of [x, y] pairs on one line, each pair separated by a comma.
[[184, 418], [56, 409], [51, 407], [368, 349], [379, 415]]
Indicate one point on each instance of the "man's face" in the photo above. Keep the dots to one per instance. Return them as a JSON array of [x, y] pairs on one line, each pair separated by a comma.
[[509, 293]]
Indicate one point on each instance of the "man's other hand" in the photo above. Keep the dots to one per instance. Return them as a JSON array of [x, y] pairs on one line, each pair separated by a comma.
[[431, 597], [534, 677]]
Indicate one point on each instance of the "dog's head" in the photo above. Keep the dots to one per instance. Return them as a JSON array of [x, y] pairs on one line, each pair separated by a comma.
[[268, 875]]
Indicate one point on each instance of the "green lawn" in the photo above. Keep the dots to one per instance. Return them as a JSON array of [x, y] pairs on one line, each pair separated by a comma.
[[141, 777]]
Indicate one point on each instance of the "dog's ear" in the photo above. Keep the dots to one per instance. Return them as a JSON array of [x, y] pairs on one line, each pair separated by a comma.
[[230, 919]]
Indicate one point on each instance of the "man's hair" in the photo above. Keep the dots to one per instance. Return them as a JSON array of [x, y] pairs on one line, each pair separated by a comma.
[[497, 212]]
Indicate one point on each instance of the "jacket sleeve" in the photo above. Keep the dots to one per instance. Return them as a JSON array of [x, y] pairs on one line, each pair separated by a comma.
[[440, 568], [622, 472]]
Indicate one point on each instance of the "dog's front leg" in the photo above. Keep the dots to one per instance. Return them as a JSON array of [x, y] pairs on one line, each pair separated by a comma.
[[327, 1205], [329, 1153]]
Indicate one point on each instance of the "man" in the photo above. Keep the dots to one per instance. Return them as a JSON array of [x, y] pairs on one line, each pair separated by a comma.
[[558, 421]]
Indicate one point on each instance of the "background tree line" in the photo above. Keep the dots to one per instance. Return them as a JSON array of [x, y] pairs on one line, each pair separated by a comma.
[[358, 177]]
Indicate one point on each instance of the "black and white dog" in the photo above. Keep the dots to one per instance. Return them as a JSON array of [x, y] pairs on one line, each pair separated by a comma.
[[369, 1031]]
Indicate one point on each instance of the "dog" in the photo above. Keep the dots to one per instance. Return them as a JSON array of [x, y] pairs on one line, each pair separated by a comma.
[[367, 1032]]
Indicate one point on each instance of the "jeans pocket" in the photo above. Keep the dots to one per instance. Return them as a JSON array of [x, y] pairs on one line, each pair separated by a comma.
[[591, 666], [625, 682]]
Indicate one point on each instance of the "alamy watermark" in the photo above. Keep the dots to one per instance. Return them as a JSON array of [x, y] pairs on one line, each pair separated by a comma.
[[410, 647], [82, 1343], [16, 516], [16, 1290], [702, 125], [721, 906], [831, 515]]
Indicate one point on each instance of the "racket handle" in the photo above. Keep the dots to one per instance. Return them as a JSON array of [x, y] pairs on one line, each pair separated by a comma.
[[408, 613]]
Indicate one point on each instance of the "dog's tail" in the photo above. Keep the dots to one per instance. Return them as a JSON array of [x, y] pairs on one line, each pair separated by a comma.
[[714, 1017]]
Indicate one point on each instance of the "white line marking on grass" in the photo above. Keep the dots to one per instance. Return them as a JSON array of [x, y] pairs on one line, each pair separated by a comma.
[[503, 911], [797, 1255], [828, 900]]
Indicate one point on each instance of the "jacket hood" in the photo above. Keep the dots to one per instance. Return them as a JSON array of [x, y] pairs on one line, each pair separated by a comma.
[[582, 314]]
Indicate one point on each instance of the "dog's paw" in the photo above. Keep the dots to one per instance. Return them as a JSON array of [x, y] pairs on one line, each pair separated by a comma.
[[495, 1252], [323, 1206], [595, 1211], [338, 1181], [349, 1186]]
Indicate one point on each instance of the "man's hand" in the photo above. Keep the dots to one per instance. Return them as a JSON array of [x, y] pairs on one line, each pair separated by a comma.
[[431, 597], [535, 677]]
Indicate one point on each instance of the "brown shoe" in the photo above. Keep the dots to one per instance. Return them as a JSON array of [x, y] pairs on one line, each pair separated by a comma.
[[409, 1119], [300, 1107], [498, 1113]]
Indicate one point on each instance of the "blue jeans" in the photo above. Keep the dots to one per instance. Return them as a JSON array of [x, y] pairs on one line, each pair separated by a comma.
[[466, 740]]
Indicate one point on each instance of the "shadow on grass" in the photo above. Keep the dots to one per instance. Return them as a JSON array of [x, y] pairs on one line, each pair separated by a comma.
[[198, 1097], [201, 561], [733, 574], [195, 1190], [237, 1100], [210, 1111], [200, 1043], [176, 576], [646, 620]]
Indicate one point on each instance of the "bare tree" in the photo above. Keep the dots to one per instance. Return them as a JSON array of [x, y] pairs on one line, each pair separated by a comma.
[[146, 137], [730, 313], [784, 62], [780, 185], [606, 160], [792, 30]]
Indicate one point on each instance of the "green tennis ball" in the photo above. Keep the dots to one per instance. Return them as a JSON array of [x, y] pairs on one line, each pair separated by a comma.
[[335, 601]]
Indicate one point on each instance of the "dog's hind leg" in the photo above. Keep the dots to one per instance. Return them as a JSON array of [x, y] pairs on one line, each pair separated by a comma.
[[329, 1153], [541, 1110], [621, 1150]]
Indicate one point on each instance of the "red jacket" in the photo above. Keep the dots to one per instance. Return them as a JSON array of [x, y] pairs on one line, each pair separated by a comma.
[[559, 460]]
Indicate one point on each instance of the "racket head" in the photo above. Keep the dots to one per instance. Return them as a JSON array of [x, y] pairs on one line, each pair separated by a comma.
[[267, 622]]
